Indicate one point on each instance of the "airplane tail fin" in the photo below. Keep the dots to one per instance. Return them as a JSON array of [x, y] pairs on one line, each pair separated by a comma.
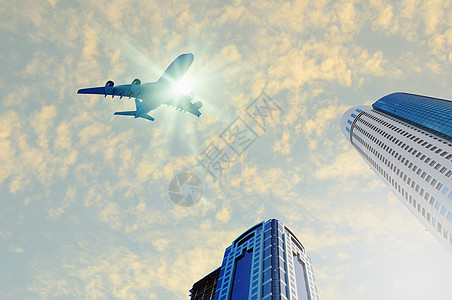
[[126, 113], [134, 114]]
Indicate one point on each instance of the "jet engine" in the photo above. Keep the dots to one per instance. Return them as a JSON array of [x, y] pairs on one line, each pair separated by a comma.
[[135, 85], [197, 104], [109, 86], [189, 96]]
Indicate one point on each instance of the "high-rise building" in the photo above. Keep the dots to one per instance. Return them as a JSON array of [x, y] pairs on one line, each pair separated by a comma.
[[407, 140], [266, 262], [205, 288]]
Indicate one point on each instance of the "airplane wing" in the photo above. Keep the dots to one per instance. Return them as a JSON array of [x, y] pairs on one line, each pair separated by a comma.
[[133, 90], [177, 68], [186, 105], [96, 90], [119, 90]]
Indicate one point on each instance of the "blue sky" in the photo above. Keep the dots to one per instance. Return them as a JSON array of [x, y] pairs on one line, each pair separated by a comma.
[[84, 209]]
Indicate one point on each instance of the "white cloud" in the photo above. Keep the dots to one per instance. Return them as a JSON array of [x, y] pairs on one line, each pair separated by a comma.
[[283, 146], [223, 215], [384, 16], [325, 117], [75, 165], [90, 43], [345, 164], [15, 249], [160, 244]]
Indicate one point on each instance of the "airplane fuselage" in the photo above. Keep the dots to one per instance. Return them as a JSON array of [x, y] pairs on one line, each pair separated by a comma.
[[157, 93]]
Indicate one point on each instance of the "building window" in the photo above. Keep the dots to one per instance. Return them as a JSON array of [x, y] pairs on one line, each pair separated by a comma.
[[301, 278], [242, 272]]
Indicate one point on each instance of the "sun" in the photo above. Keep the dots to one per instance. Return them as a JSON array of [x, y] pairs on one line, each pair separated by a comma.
[[185, 85]]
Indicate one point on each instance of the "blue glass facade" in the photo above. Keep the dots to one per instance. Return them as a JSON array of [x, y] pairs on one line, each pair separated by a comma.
[[242, 273], [430, 114], [260, 264]]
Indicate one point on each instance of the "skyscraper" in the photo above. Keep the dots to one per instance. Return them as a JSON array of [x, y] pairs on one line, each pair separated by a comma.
[[407, 140], [204, 289], [266, 262]]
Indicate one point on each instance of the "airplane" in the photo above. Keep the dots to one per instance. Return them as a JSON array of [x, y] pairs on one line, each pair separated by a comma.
[[151, 95]]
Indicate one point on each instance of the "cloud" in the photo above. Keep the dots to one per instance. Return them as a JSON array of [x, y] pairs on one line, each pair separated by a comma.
[[347, 16], [7, 150], [78, 167], [315, 61], [90, 42], [384, 17], [318, 124], [63, 140], [15, 249], [161, 244], [224, 215], [55, 213], [345, 164], [230, 54], [433, 14], [283, 146], [44, 119]]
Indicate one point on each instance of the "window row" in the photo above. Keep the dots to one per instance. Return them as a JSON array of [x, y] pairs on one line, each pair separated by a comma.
[[406, 148], [412, 137], [395, 171], [425, 214], [424, 132], [418, 171]]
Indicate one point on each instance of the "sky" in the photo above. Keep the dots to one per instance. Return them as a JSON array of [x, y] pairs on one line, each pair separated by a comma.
[[84, 205]]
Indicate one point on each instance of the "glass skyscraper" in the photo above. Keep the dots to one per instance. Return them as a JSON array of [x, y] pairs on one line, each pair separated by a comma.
[[407, 141], [266, 262]]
